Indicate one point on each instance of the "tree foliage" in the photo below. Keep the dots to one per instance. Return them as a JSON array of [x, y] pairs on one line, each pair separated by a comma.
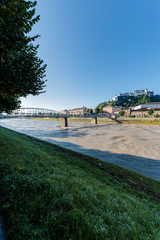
[[21, 71], [97, 110], [90, 110], [132, 101], [150, 112], [121, 113]]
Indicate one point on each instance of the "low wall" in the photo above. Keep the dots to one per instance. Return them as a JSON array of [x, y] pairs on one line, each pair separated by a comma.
[[143, 113]]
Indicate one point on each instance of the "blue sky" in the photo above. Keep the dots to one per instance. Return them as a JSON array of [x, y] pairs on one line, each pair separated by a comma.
[[95, 49]]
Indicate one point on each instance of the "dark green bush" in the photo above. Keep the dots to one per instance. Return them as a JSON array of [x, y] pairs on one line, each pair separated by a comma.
[[121, 113], [150, 112]]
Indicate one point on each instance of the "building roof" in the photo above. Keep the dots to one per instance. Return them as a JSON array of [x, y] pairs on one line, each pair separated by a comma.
[[155, 105], [112, 106], [78, 108]]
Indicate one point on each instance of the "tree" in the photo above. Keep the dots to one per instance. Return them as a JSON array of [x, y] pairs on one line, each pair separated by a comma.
[[150, 112], [91, 110], [121, 113], [21, 71], [97, 110]]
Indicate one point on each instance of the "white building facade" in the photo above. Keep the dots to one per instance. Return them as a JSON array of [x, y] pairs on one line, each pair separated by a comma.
[[152, 105]]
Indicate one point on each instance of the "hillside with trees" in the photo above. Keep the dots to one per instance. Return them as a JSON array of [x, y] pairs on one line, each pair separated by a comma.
[[132, 101]]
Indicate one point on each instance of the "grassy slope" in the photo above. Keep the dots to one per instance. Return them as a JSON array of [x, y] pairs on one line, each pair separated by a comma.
[[145, 122], [51, 193]]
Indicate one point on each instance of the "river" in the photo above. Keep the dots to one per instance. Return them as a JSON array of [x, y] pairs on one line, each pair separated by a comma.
[[135, 147]]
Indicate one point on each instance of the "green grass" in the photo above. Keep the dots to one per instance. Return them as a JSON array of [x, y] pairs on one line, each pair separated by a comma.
[[145, 122], [51, 193]]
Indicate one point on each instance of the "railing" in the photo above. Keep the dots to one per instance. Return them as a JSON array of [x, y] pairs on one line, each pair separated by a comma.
[[42, 112]]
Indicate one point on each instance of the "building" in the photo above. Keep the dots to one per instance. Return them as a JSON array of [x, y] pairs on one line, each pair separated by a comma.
[[111, 110], [141, 110], [78, 111], [125, 96], [115, 98], [143, 92], [146, 106], [127, 111], [65, 112]]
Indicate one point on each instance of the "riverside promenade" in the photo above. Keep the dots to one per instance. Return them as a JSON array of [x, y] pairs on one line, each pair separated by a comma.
[[135, 147]]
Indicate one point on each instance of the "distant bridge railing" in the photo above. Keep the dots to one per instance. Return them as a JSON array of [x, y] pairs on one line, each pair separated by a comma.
[[33, 111], [43, 112]]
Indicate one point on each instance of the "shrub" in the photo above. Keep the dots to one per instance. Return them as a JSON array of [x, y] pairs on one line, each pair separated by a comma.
[[121, 113], [131, 116], [150, 112], [156, 116]]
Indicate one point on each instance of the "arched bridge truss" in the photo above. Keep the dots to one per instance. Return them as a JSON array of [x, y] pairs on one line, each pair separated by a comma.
[[43, 112], [33, 112]]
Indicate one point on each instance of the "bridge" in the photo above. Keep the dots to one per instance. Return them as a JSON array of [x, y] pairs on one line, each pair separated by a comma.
[[43, 112], [31, 112]]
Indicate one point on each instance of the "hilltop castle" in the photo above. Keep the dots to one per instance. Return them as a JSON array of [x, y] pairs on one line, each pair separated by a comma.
[[125, 96]]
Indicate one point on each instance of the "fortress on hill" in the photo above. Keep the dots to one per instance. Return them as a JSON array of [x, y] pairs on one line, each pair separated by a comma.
[[125, 96], [135, 104]]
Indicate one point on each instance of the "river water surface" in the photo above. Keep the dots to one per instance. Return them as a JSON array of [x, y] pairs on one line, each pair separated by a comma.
[[135, 147]]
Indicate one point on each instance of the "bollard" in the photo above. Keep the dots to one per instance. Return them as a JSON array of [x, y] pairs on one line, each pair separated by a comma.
[[64, 122], [94, 120]]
